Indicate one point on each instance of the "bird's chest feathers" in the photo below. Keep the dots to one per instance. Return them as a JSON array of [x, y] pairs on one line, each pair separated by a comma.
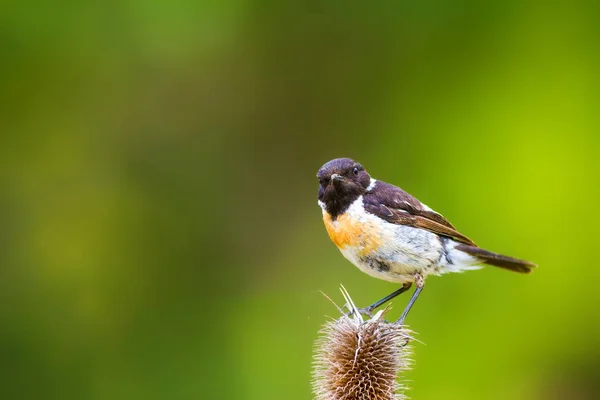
[[353, 230], [343, 231]]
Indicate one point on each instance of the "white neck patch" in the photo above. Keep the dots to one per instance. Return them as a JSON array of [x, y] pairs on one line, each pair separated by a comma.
[[371, 185]]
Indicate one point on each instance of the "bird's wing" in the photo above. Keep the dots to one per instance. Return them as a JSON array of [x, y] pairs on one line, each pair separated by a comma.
[[394, 205]]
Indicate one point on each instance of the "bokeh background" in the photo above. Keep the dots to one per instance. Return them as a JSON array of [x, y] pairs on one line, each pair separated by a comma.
[[159, 233]]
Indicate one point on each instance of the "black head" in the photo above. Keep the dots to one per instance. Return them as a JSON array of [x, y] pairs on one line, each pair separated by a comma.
[[341, 182]]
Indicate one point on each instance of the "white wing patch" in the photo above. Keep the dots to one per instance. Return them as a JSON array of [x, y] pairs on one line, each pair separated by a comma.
[[427, 208]]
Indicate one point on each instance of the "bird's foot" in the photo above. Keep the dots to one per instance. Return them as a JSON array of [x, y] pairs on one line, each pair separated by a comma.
[[405, 342], [367, 311]]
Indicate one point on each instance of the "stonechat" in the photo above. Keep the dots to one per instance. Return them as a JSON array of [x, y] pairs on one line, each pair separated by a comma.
[[391, 235]]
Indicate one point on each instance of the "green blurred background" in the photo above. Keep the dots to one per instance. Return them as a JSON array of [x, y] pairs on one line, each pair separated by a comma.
[[159, 233]]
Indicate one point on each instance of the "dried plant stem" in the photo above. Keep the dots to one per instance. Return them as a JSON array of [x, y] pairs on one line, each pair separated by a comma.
[[358, 359]]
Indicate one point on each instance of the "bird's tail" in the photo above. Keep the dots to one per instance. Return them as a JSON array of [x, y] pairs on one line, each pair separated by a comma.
[[497, 260]]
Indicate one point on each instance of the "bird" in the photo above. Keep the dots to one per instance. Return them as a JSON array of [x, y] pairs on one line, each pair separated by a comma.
[[389, 234]]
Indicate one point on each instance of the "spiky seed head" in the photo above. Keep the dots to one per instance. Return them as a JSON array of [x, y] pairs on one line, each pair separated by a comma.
[[356, 359]]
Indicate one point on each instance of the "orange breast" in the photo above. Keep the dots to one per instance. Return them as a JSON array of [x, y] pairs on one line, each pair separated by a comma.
[[346, 231]]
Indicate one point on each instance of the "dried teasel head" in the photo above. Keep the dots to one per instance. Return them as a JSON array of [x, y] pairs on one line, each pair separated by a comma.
[[358, 359]]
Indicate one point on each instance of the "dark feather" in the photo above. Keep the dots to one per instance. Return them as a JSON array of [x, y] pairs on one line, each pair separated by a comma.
[[394, 205], [497, 260]]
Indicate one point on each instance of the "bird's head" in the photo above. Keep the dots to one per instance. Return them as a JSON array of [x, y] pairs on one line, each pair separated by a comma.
[[341, 182]]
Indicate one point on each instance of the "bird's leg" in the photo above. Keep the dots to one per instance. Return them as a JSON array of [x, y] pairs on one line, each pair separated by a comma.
[[369, 310], [419, 283]]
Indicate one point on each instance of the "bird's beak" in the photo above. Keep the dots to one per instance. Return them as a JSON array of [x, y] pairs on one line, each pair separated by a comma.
[[337, 178]]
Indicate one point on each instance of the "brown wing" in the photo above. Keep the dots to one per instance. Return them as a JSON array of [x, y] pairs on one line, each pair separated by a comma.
[[427, 214], [397, 206], [435, 227]]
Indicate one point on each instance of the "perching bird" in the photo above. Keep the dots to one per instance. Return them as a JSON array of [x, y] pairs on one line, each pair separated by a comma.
[[391, 235]]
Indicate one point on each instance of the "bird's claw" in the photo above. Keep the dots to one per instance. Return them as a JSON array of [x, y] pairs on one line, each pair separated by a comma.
[[367, 311]]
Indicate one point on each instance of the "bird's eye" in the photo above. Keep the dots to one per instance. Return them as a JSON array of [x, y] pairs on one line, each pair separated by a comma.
[[355, 171]]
